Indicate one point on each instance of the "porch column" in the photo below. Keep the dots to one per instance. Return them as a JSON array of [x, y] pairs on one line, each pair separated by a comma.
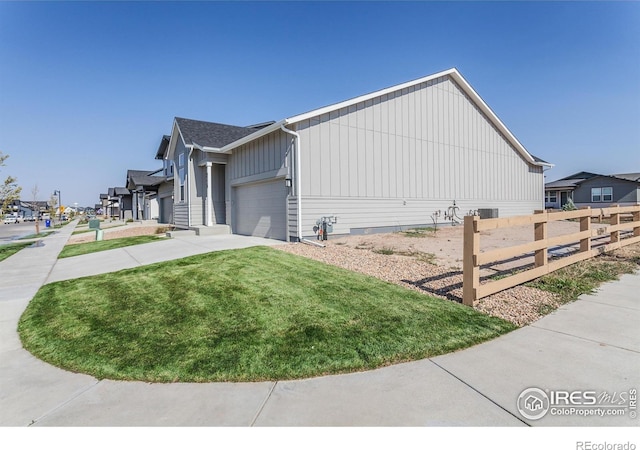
[[209, 197]]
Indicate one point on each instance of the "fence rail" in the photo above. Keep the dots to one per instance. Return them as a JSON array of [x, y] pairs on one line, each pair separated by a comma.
[[473, 258]]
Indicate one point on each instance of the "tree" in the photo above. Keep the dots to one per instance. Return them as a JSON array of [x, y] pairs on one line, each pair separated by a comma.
[[53, 205], [9, 189]]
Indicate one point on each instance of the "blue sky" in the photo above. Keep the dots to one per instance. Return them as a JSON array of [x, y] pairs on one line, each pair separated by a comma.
[[87, 89]]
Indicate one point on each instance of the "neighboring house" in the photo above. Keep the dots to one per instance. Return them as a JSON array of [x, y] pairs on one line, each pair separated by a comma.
[[165, 189], [104, 205], [28, 209], [379, 162], [595, 190], [143, 185], [122, 197]]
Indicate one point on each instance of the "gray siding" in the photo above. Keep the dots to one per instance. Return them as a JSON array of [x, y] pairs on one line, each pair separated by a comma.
[[371, 213], [180, 215], [181, 209], [398, 158], [624, 192], [265, 158], [259, 158]]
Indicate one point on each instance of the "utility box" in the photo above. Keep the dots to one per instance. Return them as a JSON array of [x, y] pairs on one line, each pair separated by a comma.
[[99, 235], [488, 213], [94, 224]]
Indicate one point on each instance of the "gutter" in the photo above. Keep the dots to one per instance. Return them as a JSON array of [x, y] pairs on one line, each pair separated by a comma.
[[188, 180], [298, 181]]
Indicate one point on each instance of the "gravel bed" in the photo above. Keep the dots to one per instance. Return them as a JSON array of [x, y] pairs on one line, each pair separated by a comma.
[[423, 272]]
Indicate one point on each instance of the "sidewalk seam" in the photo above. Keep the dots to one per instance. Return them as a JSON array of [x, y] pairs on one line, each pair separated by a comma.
[[480, 393], [131, 256], [584, 338], [264, 403], [63, 404], [609, 304]]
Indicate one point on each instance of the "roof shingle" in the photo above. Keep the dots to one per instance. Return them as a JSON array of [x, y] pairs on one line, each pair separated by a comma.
[[210, 134]]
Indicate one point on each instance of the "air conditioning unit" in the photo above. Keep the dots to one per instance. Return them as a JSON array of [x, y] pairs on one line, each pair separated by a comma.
[[488, 213]]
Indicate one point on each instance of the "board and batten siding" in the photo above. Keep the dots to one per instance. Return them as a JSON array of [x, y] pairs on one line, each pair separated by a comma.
[[395, 159], [265, 158]]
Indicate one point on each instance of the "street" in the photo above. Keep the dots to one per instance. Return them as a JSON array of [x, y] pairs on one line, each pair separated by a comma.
[[15, 231]]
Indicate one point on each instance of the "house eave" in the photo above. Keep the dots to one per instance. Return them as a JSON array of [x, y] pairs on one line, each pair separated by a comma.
[[253, 136]]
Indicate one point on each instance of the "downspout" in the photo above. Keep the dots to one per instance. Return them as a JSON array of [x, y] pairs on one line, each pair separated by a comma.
[[188, 181], [299, 187]]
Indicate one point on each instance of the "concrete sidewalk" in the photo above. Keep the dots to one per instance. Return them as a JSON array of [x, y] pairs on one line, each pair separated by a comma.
[[591, 344], [153, 252]]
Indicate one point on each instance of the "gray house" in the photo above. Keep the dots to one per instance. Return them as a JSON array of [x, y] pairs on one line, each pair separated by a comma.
[[592, 189], [165, 188], [121, 201], [143, 185], [382, 161]]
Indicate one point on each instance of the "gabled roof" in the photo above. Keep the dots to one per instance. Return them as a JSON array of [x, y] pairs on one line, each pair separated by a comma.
[[210, 134], [143, 179], [563, 183], [164, 143], [628, 176], [452, 73], [118, 191], [572, 181], [581, 176]]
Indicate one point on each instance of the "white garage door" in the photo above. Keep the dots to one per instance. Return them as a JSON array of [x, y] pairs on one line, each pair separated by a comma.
[[261, 210]]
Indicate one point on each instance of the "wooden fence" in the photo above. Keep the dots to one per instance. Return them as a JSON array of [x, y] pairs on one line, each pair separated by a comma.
[[473, 258]]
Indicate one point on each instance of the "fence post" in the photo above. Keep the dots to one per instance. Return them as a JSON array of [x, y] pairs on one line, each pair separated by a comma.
[[470, 271], [585, 225], [540, 234], [615, 220], [636, 218]]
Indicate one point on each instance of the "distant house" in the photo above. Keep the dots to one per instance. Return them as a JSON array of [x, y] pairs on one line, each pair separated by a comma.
[[122, 197], [595, 190], [165, 189], [28, 209], [383, 161], [143, 185]]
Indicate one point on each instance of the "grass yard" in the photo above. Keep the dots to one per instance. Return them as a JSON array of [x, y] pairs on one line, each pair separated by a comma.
[[585, 276], [11, 249], [241, 315], [99, 246], [39, 235]]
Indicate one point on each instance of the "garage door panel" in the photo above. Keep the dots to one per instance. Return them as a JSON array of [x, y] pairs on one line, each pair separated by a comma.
[[261, 209]]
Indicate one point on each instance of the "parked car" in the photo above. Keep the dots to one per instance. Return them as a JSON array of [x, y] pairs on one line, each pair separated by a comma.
[[9, 219]]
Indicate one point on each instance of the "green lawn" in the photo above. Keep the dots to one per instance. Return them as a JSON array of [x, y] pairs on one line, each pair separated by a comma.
[[39, 235], [99, 246], [10, 249], [241, 315]]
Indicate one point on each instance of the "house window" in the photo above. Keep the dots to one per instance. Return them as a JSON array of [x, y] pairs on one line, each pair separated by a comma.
[[604, 194], [551, 197], [181, 160], [181, 178]]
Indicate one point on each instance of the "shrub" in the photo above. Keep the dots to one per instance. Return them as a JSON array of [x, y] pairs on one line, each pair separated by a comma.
[[569, 206]]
